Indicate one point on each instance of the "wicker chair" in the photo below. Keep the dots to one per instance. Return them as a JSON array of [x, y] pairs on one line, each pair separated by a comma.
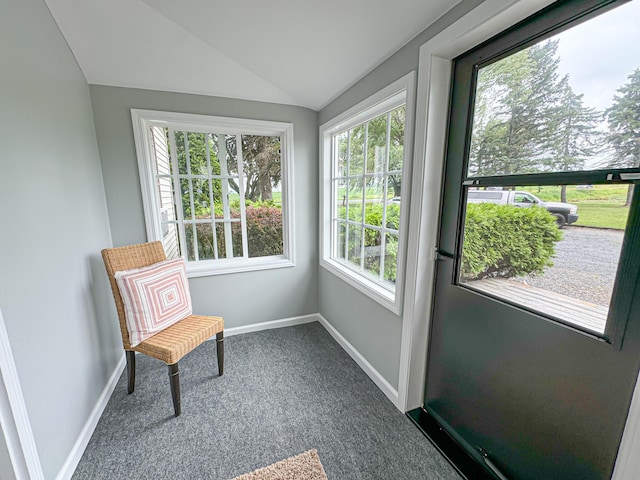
[[171, 344]]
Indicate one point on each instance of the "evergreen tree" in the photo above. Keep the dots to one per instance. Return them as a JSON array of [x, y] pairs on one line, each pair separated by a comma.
[[515, 97], [624, 126], [571, 132]]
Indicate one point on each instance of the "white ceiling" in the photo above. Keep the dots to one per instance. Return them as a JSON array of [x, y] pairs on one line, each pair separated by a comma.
[[298, 52]]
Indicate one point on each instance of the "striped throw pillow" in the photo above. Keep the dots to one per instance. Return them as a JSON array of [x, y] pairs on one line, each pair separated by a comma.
[[154, 297]]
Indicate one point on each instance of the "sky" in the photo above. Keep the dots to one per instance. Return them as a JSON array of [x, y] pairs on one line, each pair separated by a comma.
[[601, 53]]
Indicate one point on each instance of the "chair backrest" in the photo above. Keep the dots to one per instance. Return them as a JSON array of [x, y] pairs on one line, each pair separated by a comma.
[[127, 258]]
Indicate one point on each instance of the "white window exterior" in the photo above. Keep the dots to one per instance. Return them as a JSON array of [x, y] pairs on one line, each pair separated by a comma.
[[365, 186], [217, 190]]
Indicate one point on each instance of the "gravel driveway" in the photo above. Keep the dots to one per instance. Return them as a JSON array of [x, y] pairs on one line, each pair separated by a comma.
[[584, 266]]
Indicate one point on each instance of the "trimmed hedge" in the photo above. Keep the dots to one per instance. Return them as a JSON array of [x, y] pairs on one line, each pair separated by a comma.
[[372, 238], [507, 241], [264, 232]]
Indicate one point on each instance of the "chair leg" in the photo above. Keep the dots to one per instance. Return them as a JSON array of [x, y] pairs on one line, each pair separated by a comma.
[[131, 370], [174, 380], [220, 351]]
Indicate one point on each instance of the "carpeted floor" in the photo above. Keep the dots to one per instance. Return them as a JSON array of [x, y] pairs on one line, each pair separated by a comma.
[[284, 391]]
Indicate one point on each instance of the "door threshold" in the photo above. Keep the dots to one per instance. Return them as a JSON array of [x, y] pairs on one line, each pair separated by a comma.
[[459, 459]]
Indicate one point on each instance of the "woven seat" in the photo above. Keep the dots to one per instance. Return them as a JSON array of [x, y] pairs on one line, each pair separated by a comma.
[[172, 343]]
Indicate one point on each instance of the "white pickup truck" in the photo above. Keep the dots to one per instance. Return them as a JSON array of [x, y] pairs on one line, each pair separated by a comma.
[[565, 213]]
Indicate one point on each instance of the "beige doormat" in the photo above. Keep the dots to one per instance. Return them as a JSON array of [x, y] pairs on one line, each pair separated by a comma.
[[305, 466]]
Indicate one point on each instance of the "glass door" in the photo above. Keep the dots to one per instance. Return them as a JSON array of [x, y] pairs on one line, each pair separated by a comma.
[[535, 336]]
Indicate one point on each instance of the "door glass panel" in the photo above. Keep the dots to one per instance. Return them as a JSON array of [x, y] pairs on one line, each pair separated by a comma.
[[525, 246], [563, 104]]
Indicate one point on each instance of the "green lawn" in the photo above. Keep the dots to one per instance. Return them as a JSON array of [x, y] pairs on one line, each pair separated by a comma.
[[601, 206], [602, 215]]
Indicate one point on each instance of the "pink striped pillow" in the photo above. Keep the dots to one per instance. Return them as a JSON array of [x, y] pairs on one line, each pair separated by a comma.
[[154, 298]]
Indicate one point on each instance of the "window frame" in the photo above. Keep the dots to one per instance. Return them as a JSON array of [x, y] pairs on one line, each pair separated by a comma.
[[143, 120], [401, 92], [540, 26]]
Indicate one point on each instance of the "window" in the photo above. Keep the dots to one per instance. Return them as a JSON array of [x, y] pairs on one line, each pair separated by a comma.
[[217, 191], [550, 171], [365, 154]]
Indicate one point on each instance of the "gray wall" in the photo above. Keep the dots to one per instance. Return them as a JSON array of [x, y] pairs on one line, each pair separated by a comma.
[[53, 291], [372, 329], [242, 298], [6, 470]]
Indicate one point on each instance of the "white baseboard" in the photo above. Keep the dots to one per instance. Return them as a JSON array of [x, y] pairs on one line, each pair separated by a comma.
[[285, 322], [14, 420], [79, 447], [378, 379]]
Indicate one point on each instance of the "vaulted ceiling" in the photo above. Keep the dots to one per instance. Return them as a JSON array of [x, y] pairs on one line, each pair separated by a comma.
[[298, 52]]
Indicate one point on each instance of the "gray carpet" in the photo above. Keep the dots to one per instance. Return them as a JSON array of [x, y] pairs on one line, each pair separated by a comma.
[[284, 391]]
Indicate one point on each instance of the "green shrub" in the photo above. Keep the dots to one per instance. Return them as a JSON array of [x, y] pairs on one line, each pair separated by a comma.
[[506, 241], [372, 238], [264, 232]]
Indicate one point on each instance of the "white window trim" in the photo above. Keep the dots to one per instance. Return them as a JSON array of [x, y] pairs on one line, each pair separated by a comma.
[[375, 105], [144, 119]]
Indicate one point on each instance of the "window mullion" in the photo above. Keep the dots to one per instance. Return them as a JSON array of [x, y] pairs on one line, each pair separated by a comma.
[[364, 191], [226, 210], [177, 193], [211, 201], [243, 212], [335, 226], [347, 191], [385, 196], [194, 231]]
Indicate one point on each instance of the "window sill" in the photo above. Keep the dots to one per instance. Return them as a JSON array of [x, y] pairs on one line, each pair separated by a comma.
[[223, 267], [370, 288]]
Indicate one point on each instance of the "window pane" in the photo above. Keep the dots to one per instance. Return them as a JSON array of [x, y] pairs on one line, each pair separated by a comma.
[[356, 150], [375, 190], [214, 162], [341, 146], [201, 198], [390, 257], [229, 235], [227, 155], [225, 197], [261, 167], [372, 250], [393, 214], [340, 202], [181, 153], [264, 230], [170, 240], [197, 153], [190, 241], [564, 104], [394, 187], [355, 244], [185, 192], [341, 244], [514, 249], [377, 144], [236, 228], [206, 248], [396, 147], [355, 199]]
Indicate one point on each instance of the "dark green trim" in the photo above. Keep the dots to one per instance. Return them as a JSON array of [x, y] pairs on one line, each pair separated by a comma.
[[466, 465], [605, 176], [628, 276]]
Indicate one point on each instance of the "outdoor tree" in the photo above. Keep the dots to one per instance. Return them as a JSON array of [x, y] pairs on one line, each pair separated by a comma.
[[367, 173], [261, 165], [572, 135], [515, 98], [624, 127]]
